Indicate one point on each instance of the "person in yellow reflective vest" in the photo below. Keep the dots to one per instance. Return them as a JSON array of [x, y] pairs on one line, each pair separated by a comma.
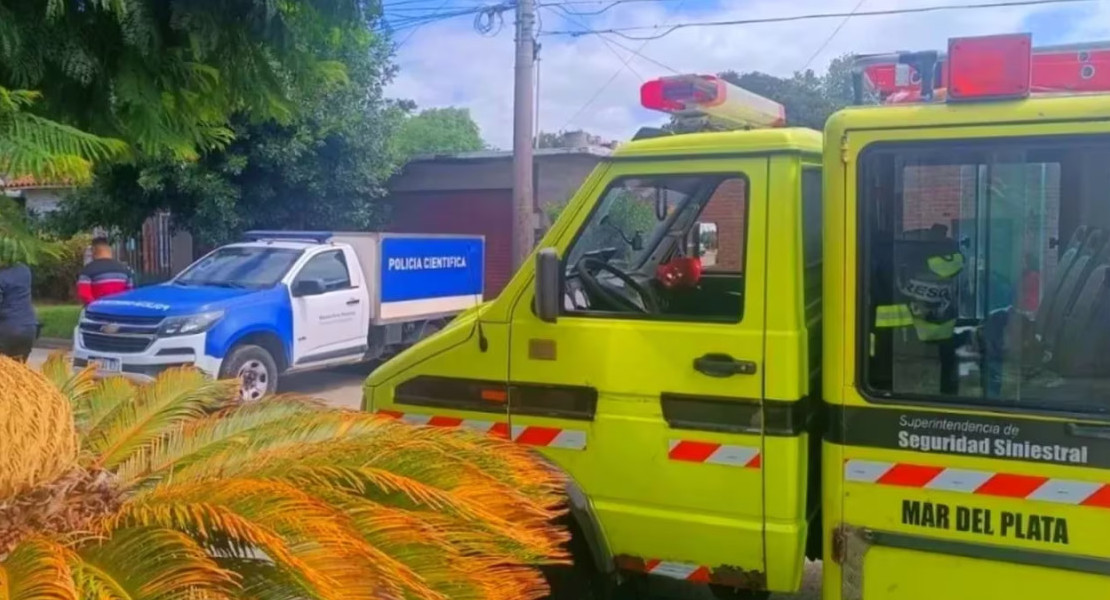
[[926, 267]]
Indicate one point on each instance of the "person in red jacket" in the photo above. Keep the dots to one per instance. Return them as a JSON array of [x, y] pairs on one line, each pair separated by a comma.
[[104, 275]]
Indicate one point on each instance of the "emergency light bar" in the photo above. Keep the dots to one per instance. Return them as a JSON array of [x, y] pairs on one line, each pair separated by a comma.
[[709, 95], [985, 68]]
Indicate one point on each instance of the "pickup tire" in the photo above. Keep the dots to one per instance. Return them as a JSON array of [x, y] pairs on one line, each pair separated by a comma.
[[255, 369]]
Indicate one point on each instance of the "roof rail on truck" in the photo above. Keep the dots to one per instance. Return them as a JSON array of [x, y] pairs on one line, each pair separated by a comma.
[[315, 237], [997, 67]]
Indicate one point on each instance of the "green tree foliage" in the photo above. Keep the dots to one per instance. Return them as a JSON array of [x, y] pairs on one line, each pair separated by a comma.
[[166, 76], [438, 131], [323, 169], [33, 145], [809, 99]]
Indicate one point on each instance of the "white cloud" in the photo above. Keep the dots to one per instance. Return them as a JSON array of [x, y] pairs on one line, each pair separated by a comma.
[[448, 63]]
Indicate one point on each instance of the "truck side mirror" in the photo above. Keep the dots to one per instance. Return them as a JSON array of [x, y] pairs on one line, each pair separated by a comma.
[[548, 285], [308, 287]]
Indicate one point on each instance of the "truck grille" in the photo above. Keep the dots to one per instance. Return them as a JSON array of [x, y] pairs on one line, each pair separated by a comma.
[[118, 333], [101, 342], [123, 319]]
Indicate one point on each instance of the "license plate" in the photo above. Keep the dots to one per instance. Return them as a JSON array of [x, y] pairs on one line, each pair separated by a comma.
[[105, 365]]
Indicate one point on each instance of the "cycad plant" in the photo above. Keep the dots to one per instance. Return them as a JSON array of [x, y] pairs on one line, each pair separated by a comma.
[[115, 491]]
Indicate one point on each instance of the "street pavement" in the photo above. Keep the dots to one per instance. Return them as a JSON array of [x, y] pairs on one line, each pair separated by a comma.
[[342, 388]]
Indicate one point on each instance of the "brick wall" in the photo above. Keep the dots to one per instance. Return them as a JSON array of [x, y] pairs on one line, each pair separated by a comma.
[[483, 212], [728, 209]]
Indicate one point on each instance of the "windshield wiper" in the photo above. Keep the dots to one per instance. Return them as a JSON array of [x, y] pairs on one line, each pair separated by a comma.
[[219, 284]]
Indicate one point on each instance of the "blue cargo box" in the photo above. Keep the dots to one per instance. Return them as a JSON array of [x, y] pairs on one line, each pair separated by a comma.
[[416, 276]]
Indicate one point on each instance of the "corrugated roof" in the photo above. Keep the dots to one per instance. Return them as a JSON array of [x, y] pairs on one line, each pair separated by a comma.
[[26, 182]]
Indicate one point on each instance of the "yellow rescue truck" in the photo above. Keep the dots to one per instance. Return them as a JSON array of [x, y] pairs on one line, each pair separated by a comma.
[[889, 351]]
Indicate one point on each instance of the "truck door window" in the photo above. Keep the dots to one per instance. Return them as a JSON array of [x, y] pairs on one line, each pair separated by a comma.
[[330, 268], [987, 273], [634, 257]]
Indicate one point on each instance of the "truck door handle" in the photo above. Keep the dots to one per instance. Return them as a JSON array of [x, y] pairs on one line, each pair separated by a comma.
[[1098, 432], [353, 301], [723, 365]]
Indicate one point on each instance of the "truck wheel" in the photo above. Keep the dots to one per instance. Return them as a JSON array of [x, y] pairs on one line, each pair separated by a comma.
[[255, 369], [727, 593], [580, 579]]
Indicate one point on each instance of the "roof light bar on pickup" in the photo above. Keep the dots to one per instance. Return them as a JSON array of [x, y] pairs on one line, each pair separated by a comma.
[[709, 95]]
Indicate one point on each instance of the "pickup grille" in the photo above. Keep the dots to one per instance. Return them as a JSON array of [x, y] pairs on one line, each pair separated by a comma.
[[123, 319], [101, 342]]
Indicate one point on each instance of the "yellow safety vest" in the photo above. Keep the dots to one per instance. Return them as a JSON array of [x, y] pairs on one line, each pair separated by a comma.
[[890, 316]]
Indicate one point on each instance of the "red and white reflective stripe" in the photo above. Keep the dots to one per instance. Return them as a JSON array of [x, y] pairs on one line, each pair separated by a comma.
[[982, 483], [529, 435], [715, 454], [677, 570]]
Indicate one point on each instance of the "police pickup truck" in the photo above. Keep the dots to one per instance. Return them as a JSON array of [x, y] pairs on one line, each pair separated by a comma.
[[283, 302]]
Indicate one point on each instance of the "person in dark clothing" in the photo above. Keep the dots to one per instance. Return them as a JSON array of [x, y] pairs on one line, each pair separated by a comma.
[[18, 324], [103, 276]]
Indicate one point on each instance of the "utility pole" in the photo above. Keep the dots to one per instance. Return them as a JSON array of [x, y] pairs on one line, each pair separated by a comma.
[[523, 105]]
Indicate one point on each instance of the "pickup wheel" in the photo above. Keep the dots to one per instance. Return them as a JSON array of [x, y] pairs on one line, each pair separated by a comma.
[[255, 369]]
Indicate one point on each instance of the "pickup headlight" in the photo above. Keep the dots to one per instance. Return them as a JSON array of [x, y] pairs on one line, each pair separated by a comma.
[[190, 324]]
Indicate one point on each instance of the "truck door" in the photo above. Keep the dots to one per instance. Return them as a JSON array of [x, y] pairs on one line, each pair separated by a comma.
[[976, 440], [648, 388], [329, 308]]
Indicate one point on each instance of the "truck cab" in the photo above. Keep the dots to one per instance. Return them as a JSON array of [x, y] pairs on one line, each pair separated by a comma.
[[667, 378], [284, 302], [884, 348]]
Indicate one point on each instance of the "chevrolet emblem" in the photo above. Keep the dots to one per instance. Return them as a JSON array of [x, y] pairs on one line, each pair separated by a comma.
[[109, 328]]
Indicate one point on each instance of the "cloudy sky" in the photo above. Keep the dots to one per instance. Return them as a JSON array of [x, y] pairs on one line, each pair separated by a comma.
[[591, 82]]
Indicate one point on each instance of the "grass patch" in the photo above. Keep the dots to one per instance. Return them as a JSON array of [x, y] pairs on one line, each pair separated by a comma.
[[58, 320]]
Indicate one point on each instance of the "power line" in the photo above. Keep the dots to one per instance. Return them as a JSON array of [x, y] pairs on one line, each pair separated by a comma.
[[615, 2], [825, 44], [667, 30], [610, 81], [408, 37], [609, 5], [567, 15]]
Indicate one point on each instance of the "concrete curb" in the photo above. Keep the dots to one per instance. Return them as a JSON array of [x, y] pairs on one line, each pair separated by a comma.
[[54, 343]]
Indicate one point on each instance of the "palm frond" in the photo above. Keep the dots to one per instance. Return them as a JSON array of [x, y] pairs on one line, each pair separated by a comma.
[[176, 397], [108, 397], [263, 580], [239, 431], [37, 569], [148, 563], [74, 386], [303, 534]]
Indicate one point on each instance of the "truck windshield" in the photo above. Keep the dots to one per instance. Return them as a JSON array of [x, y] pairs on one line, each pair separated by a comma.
[[988, 273], [634, 216], [240, 266]]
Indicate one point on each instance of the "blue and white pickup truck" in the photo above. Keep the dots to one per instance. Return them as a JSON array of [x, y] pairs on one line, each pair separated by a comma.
[[283, 302]]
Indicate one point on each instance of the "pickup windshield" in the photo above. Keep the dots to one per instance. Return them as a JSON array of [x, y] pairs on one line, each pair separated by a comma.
[[240, 267]]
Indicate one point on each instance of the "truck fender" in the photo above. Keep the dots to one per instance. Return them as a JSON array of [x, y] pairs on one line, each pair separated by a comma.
[[266, 338], [581, 510]]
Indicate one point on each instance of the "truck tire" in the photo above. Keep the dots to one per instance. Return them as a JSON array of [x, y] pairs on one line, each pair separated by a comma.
[[255, 369], [727, 593]]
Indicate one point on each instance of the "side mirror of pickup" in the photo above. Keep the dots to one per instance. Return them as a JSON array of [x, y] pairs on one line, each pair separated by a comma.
[[549, 285], [308, 287]]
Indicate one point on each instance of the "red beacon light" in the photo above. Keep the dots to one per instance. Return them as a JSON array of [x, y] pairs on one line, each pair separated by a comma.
[[988, 68], [709, 95]]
